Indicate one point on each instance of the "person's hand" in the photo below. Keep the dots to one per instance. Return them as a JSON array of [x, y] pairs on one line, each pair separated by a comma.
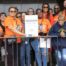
[[22, 34], [62, 34]]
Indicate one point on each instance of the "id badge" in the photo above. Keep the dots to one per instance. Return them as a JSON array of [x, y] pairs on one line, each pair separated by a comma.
[[40, 27]]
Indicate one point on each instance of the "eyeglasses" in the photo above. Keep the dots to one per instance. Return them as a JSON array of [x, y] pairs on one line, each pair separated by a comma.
[[12, 11], [45, 7], [30, 11], [18, 16]]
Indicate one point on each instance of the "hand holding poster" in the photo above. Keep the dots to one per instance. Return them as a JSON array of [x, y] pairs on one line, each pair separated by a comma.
[[31, 25]]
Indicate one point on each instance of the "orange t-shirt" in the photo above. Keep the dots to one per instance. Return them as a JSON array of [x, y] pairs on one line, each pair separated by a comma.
[[51, 18], [9, 21], [46, 25]]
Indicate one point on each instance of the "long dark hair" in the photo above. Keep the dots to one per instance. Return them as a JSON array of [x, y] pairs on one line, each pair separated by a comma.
[[48, 13], [3, 28]]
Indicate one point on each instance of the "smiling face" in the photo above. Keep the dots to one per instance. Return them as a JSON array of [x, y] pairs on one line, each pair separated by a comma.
[[2, 17], [30, 11], [39, 13], [56, 8], [12, 12], [61, 19], [45, 8]]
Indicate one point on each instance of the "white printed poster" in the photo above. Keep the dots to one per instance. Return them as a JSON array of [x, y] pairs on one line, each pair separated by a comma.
[[45, 42], [31, 25]]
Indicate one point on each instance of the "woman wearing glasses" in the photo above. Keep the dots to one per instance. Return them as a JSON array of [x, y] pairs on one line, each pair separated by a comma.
[[13, 28], [44, 27], [46, 13]]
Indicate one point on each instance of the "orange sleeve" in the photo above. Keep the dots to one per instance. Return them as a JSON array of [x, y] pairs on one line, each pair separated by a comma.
[[19, 22], [51, 19], [6, 22], [39, 21]]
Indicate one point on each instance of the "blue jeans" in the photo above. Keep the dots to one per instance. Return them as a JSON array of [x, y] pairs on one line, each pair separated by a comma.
[[25, 53], [35, 46], [61, 57], [44, 53]]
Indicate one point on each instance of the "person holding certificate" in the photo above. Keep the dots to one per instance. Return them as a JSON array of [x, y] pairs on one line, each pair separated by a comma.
[[13, 29], [35, 43]]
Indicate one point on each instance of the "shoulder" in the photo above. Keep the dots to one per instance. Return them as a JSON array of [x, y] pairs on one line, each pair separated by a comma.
[[7, 21], [7, 18], [18, 21]]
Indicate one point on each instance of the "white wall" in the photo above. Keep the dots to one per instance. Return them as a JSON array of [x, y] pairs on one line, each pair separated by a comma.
[[21, 7]]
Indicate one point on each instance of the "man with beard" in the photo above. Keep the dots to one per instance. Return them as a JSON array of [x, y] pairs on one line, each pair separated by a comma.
[[56, 12]]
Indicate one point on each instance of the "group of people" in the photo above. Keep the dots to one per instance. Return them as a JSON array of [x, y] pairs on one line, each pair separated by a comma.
[[50, 22]]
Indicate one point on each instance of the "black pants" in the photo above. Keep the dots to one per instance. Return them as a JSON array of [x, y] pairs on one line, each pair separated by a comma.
[[12, 54], [1, 45]]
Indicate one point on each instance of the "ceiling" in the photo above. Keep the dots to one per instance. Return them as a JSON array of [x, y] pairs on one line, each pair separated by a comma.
[[26, 1]]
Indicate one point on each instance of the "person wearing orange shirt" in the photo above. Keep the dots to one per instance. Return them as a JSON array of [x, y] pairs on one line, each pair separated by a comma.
[[12, 29], [46, 13], [44, 28]]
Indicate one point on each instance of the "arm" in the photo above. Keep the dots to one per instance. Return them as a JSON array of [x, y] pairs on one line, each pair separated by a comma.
[[8, 24], [16, 30], [53, 31]]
